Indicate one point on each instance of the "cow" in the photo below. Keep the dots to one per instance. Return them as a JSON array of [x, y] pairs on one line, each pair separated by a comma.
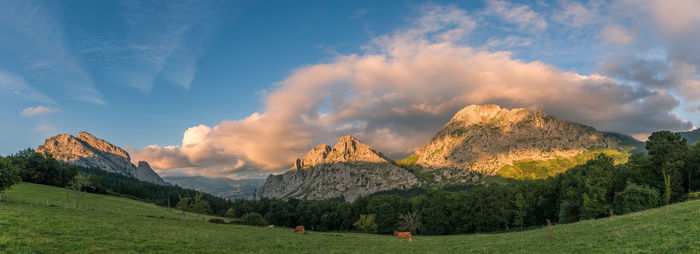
[[300, 229], [402, 235], [271, 226]]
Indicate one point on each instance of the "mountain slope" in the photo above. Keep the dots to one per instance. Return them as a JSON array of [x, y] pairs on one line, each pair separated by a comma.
[[120, 225], [480, 140], [222, 187], [692, 136], [349, 169], [87, 150]]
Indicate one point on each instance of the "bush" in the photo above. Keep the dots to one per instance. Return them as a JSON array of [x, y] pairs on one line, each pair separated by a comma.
[[636, 198], [366, 223], [694, 195], [217, 221], [253, 219]]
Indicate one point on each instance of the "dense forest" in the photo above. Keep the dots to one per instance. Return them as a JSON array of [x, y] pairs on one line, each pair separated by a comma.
[[599, 188]]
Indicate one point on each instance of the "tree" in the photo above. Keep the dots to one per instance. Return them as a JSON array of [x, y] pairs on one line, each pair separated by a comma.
[[366, 223], [409, 222], [9, 174], [79, 182], [521, 212], [253, 219], [667, 150], [636, 198]]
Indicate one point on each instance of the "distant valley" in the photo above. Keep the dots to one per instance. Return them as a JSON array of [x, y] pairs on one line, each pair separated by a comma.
[[221, 187]]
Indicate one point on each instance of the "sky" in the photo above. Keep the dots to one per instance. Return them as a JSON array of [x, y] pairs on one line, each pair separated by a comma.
[[240, 89]]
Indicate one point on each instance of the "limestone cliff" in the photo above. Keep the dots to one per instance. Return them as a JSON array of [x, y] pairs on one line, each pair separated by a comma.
[[482, 139], [88, 151], [349, 169]]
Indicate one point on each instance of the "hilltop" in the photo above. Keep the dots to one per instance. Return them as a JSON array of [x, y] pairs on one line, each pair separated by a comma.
[[88, 151], [483, 139], [119, 225], [348, 169]]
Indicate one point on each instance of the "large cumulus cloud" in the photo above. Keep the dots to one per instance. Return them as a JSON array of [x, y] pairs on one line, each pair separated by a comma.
[[398, 92]]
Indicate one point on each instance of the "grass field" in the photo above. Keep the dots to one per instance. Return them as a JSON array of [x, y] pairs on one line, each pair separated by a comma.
[[119, 225]]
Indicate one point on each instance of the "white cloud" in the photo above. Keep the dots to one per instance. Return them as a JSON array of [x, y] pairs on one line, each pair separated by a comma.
[[522, 15], [38, 110], [399, 92]]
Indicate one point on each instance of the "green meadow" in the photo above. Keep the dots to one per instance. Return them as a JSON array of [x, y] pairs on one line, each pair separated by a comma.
[[109, 224]]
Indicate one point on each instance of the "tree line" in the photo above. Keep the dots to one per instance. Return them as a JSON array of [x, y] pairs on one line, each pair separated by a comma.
[[668, 173], [596, 189], [30, 166]]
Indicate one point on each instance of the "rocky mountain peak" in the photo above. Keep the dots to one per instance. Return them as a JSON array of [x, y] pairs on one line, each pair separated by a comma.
[[485, 138], [489, 114], [348, 149], [89, 151], [349, 169], [103, 145]]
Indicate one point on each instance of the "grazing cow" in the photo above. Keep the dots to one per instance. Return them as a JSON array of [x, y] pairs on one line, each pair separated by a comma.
[[403, 235], [271, 226], [300, 229]]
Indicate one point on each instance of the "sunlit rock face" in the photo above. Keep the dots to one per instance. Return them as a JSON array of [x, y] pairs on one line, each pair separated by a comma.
[[89, 151], [349, 169], [483, 138]]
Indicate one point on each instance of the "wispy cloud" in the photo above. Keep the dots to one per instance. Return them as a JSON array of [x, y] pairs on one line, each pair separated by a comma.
[[519, 14], [163, 42], [33, 42], [45, 128], [38, 110], [14, 85]]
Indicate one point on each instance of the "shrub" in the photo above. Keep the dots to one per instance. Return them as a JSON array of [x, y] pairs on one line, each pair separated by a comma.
[[694, 195], [217, 221], [253, 219], [636, 198], [366, 223]]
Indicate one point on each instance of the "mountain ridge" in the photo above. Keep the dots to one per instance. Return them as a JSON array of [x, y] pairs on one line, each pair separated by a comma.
[[478, 141], [348, 169], [86, 150]]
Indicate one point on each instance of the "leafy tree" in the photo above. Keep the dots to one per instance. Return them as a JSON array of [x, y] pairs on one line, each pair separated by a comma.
[[9, 174], [387, 209], [667, 150], [253, 219], [521, 212], [79, 182], [366, 223], [692, 167], [409, 222], [636, 198]]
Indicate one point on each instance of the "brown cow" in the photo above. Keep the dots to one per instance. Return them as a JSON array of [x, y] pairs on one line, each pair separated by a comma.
[[402, 235], [300, 229], [271, 226]]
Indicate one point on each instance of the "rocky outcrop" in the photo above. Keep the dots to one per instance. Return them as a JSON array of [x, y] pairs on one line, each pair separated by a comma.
[[88, 151], [348, 169], [482, 139]]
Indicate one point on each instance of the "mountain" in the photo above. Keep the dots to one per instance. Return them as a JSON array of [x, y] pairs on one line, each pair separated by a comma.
[[349, 169], [88, 151], [692, 136], [480, 140], [222, 187]]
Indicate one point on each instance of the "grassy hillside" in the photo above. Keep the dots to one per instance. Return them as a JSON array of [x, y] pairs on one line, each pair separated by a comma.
[[113, 224], [540, 169]]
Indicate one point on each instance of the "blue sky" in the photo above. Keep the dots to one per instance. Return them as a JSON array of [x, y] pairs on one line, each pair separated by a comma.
[[172, 80]]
